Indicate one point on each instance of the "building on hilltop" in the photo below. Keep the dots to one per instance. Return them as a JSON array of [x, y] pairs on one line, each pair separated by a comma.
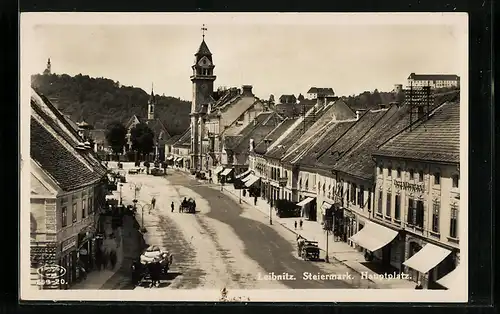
[[319, 92], [48, 68], [434, 80], [160, 132]]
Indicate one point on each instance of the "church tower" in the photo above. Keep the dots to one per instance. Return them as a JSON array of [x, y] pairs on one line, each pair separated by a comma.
[[48, 69], [151, 105], [203, 87]]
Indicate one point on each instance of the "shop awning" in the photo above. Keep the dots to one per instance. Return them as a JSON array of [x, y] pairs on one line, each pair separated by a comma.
[[373, 236], [218, 170], [178, 159], [325, 206], [427, 258], [453, 278], [170, 158], [226, 171], [245, 179], [252, 180], [244, 174], [305, 202]]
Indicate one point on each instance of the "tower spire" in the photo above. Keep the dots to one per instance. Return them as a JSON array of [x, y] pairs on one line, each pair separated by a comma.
[[203, 29], [151, 104]]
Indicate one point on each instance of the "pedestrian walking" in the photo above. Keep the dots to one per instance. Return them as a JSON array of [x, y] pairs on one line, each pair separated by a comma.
[[300, 224], [295, 224], [153, 202], [255, 201], [112, 259], [172, 206]]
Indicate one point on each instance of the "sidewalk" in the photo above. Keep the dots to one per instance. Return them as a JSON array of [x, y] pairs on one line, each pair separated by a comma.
[[313, 231]]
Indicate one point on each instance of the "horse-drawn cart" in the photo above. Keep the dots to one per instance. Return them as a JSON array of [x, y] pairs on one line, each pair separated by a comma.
[[153, 264], [188, 206], [308, 250]]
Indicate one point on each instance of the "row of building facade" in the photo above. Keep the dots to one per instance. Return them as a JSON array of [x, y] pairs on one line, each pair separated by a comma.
[[391, 176], [68, 189]]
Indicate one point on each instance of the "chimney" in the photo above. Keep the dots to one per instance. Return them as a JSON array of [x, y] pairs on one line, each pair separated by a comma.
[[247, 90]]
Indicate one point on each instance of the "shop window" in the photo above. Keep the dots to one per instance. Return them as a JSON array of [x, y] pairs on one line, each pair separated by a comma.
[[454, 222], [64, 216], [419, 217], [397, 207], [84, 203], [421, 176], [389, 171], [329, 191], [455, 180], [437, 178], [388, 205], [435, 217], [74, 213], [411, 212], [412, 174], [324, 190], [379, 209], [398, 173]]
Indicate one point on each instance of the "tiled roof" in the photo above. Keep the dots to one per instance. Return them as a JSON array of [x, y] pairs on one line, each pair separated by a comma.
[[72, 123], [275, 134], [157, 127], [330, 135], [333, 152], [435, 139], [299, 131], [263, 124], [184, 140], [433, 77], [358, 161], [293, 110], [173, 139], [288, 99], [58, 161], [56, 120], [321, 91]]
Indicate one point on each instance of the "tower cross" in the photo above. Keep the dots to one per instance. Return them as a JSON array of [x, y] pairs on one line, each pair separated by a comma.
[[203, 29]]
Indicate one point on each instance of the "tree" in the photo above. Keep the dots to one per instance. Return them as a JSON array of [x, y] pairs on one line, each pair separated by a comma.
[[116, 134], [142, 138], [301, 97]]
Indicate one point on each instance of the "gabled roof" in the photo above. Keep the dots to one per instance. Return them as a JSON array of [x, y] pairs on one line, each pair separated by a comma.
[[158, 128], [358, 161], [288, 99], [299, 130], [257, 130], [58, 161], [56, 120], [274, 135], [335, 111], [328, 136], [434, 139], [293, 110], [335, 150], [434, 77], [173, 139], [184, 140]]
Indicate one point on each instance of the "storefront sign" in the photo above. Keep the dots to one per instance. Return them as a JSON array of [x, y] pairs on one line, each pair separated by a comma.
[[68, 244], [409, 186]]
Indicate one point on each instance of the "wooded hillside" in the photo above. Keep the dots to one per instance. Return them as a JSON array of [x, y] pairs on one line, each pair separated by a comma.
[[99, 101]]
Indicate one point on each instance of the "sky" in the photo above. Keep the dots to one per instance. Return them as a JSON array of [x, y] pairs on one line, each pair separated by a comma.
[[275, 54]]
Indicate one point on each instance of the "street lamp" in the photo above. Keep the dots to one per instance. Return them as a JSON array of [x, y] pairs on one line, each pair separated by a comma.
[[121, 185], [137, 189], [142, 214]]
